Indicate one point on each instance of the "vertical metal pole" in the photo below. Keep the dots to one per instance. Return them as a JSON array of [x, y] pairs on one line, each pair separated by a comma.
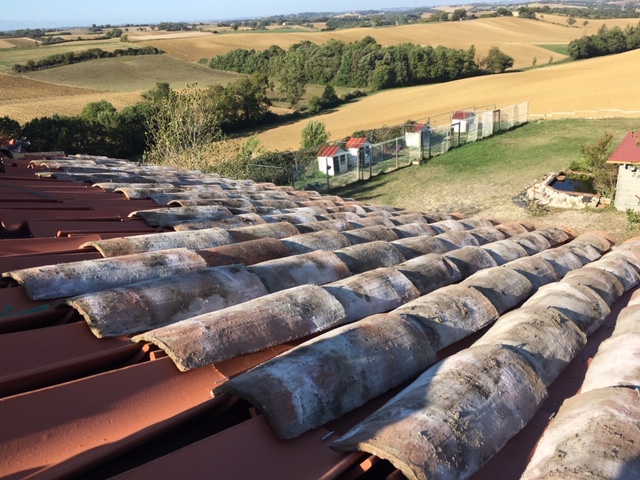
[[396, 153], [327, 170]]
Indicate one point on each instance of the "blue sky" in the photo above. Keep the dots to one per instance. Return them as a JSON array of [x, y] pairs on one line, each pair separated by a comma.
[[55, 13]]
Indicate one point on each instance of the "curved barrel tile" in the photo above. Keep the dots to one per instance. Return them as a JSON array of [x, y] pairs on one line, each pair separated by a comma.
[[617, 364], [370, 234], [249, 327], [600, 281], [409, 230], [316, 268], [503, 287], [163, 217], [193, 240], [417, 246], [454, 417], [469, 260], [450, 314], [310, 242], [78, 278], [504, 251], [430, 272], [532, 242], [628, 320], [579, 303], [248, 253], [484, 235], [327, 377], [338, 226], [594, 435], [562, 260], [369, 256], [267, 230], [542, 337], [455, 239], [368, 293], [537, 270], [155, 303]]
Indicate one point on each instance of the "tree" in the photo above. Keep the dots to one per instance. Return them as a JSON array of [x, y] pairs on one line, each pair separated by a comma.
[[571, 21], [459, 14], [314, 135], [605, 174], [527, 12], [292, 77], [182, 130], [496, 61], [10, 128]]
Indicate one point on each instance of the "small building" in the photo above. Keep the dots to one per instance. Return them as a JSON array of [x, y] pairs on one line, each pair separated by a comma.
[[461, 121], [359, 151], [333, 160], [627, 156], [416, 135]]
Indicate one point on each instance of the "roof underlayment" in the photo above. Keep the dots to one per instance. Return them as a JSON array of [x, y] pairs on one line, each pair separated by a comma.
[[157, 323]]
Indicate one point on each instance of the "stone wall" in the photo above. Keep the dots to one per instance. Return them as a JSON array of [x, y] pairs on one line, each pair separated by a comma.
[[544, 194]]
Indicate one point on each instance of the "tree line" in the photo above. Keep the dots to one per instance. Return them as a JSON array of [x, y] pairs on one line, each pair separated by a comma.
[[605, 42], [70, 58], [102, 130], [359, 64]]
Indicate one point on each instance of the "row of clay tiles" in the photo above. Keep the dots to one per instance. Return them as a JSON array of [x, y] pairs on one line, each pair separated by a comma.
[[514, 250], [346, 367], [582, 248]]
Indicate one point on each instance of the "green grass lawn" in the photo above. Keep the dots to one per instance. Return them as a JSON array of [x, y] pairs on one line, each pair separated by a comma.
[[493, 169], [132, 73]]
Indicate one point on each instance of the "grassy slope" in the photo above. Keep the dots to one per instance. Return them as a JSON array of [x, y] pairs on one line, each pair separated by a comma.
[[482, 178]]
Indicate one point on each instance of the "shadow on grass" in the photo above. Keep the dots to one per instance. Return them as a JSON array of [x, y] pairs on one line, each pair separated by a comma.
[[362, 189]]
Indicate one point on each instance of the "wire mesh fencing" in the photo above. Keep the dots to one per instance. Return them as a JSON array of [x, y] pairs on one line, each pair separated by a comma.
[[419, 141]]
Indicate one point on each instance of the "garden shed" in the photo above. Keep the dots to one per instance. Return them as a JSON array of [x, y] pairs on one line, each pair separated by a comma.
[[333, 160], [461, 121], [416, 135], [627, 156], [359, 151]]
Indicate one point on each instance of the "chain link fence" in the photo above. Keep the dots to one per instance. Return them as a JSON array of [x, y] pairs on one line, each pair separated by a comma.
[[419, 141]]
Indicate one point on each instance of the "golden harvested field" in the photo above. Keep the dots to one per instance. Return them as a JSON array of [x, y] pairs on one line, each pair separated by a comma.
[[517, 37], [24, 99], [595, 88], [550, 89]]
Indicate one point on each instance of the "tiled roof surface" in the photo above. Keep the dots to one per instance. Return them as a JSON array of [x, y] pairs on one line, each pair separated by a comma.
[[628, 151], [462, 115], [357, 142], [330, 151], [158, 323]]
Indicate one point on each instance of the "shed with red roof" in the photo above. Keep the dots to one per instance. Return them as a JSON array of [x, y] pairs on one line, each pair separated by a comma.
[[359, 151], [627, 156], [333, 160]]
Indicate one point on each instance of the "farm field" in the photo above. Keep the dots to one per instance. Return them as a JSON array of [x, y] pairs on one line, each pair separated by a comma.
[[556, 89], [599, 87], [517, 37]]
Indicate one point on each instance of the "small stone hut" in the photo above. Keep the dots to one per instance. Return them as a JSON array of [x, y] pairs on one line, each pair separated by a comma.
[[627, 156]]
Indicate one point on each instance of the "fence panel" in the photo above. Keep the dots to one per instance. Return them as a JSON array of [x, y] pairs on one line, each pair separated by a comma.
[[437, 136]]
